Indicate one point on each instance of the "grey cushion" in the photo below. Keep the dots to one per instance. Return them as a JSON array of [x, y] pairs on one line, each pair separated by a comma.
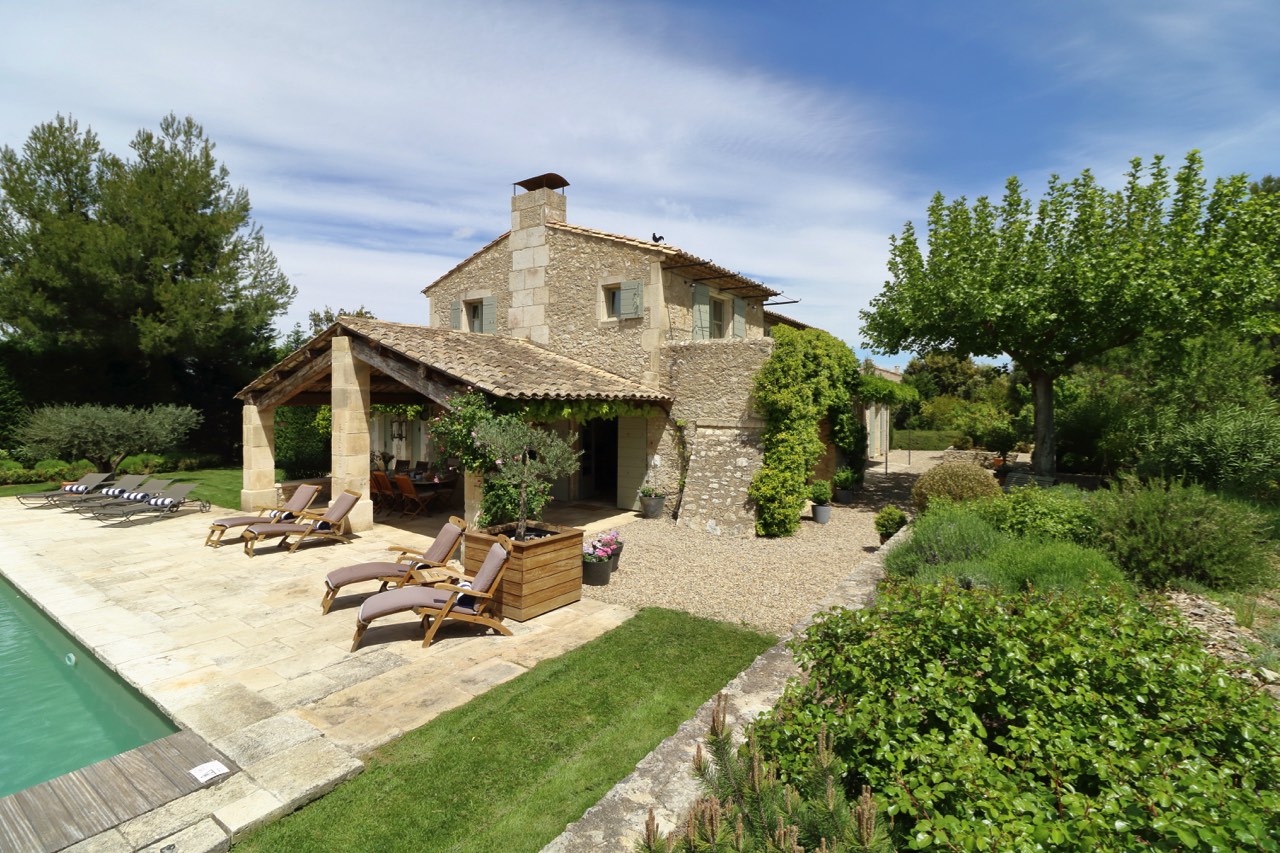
[[338, 578], [404, 599], [443, 545], [489, 568]]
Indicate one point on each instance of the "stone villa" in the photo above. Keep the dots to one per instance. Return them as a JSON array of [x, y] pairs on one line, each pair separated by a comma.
[[551, 311]]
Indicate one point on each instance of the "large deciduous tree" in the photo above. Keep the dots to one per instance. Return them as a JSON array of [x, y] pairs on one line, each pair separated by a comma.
[[133, 280], [1083, 271]]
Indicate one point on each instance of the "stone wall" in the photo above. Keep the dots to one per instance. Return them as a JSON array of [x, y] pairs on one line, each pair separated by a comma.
[[711, 382], [485, 274]]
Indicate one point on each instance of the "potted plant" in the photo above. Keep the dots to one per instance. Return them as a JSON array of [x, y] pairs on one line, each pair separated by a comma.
[[600, 557], [652, 500], [519, 462], [889, 521], [845, 481], [820, 494]]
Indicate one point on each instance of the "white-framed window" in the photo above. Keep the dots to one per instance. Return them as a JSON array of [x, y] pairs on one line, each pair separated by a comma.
[[612, 301], [475, 315]]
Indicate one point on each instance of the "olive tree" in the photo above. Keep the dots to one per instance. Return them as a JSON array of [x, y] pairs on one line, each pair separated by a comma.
[[105, 435], [1081, 272]]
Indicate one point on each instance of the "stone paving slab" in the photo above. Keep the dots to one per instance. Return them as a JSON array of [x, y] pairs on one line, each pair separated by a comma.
[[236, 650]]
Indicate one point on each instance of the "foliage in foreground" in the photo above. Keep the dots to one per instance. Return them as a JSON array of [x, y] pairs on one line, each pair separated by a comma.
[[1159, 532], [1009, 722], [747, 809], [105, 435], [509, 769]]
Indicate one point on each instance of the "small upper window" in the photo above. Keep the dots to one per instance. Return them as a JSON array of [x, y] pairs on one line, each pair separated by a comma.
[[717, 318], [613, 301], [475, 316]]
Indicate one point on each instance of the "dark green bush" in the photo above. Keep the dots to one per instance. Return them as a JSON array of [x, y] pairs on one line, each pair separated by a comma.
[[954, 481], [923, 439], [1023, 564], [1033, 722], [1160, 531], [52, 469], [142, 463], [303, 439], [1231, 448], [889, 520], [105, 434], [948, 533], [20, 475], [1060, 512]]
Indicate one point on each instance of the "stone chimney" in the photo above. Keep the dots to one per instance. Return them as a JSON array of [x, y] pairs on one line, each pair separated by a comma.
[[530, 212]]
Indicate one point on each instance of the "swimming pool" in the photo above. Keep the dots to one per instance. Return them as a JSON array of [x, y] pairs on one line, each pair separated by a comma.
[[61, 708]]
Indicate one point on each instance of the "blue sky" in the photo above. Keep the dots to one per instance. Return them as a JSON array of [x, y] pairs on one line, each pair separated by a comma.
[[787, 141]]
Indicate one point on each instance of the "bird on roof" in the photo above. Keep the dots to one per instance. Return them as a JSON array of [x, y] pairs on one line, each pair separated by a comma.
[[657, 238]]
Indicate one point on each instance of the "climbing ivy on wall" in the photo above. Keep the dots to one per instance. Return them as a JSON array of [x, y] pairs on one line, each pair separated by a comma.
[[811, 374], [546, 411]]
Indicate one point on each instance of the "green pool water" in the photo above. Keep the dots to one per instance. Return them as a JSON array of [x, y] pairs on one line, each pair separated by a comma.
[[60, 708]]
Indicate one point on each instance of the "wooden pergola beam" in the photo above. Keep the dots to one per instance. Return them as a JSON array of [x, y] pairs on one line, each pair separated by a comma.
[[411, 375]]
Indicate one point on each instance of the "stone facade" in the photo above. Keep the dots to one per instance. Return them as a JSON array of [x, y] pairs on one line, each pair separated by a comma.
[[712, 418], [550, 283]]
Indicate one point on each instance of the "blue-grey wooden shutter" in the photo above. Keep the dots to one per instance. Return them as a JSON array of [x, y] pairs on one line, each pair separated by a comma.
[[739, 317], [701, 312], [632, 297], [488, 314], [455, 314]]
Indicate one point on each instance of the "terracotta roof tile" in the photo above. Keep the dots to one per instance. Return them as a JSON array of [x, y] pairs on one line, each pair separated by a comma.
[[499, 365]]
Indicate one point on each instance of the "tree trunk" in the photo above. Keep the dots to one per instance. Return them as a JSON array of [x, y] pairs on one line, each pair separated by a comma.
[[1043, 460]]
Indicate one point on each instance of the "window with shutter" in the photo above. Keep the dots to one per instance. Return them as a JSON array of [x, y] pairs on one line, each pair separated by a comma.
[[739, 317], [488, 315], [701, 312], [455, 314], [631, 299]]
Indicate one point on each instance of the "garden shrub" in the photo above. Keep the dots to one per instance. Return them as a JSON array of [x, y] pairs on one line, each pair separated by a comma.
[[1231, 448], [746, 808], [141, 463], [986, 721], [20, 475], [923, 439], [948, 533], [105, 434], [889, 520], [303, 441], [1024, 564], [956, 481], [1058, 512], [1159, 531]]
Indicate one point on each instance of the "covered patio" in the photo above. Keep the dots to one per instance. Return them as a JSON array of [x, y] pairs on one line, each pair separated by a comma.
[[358, 362]]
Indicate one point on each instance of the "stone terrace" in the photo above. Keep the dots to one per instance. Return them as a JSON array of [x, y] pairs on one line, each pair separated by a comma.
[[235, 649]]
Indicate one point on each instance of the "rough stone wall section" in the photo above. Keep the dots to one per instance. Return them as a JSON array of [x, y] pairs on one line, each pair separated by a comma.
[[711, 383], [663, 780], [722, 463], [487, 274]]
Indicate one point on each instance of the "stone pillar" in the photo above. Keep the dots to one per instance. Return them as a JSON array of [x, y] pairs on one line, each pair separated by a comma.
[[259, 436], [350, 452]]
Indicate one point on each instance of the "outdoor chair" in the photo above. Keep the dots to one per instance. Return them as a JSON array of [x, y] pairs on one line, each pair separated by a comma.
[[298, 503], [143, 493], [402, 466], [411, 501], [382, 492], [310, 525], [166, 502], [399, 573], [108, 492], [466, 601], [85, 485]]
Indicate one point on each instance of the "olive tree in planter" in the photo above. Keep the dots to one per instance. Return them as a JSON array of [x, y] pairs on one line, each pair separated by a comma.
[[544, 570]]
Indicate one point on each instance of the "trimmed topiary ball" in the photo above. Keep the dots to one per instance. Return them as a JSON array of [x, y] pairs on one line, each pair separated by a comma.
[[957, 481]]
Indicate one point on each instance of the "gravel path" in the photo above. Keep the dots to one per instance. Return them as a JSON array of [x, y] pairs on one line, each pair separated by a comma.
[[768, 584]]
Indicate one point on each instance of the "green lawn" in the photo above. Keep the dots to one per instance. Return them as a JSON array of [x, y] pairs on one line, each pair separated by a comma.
[[218, 486], [508, 770]]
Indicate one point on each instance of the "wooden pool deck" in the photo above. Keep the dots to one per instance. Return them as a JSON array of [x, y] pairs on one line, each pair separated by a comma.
[[64, 811], [236, 652]]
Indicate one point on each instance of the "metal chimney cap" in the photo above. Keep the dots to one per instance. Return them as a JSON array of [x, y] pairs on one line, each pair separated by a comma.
[[549, 181]]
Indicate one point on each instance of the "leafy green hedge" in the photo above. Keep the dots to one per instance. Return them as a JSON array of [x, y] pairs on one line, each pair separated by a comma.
[[1017, 722], [923, 439]]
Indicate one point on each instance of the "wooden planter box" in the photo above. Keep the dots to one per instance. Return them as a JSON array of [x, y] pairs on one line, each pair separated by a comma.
[[542, 574]]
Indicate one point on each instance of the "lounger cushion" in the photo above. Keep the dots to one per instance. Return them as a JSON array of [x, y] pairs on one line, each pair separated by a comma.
[[76, 489], [406, 598], [443, 545], [338, 578], [161, 502], [490, 567], [136, 496], [113, 492], [281, 515], [268, 530]]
